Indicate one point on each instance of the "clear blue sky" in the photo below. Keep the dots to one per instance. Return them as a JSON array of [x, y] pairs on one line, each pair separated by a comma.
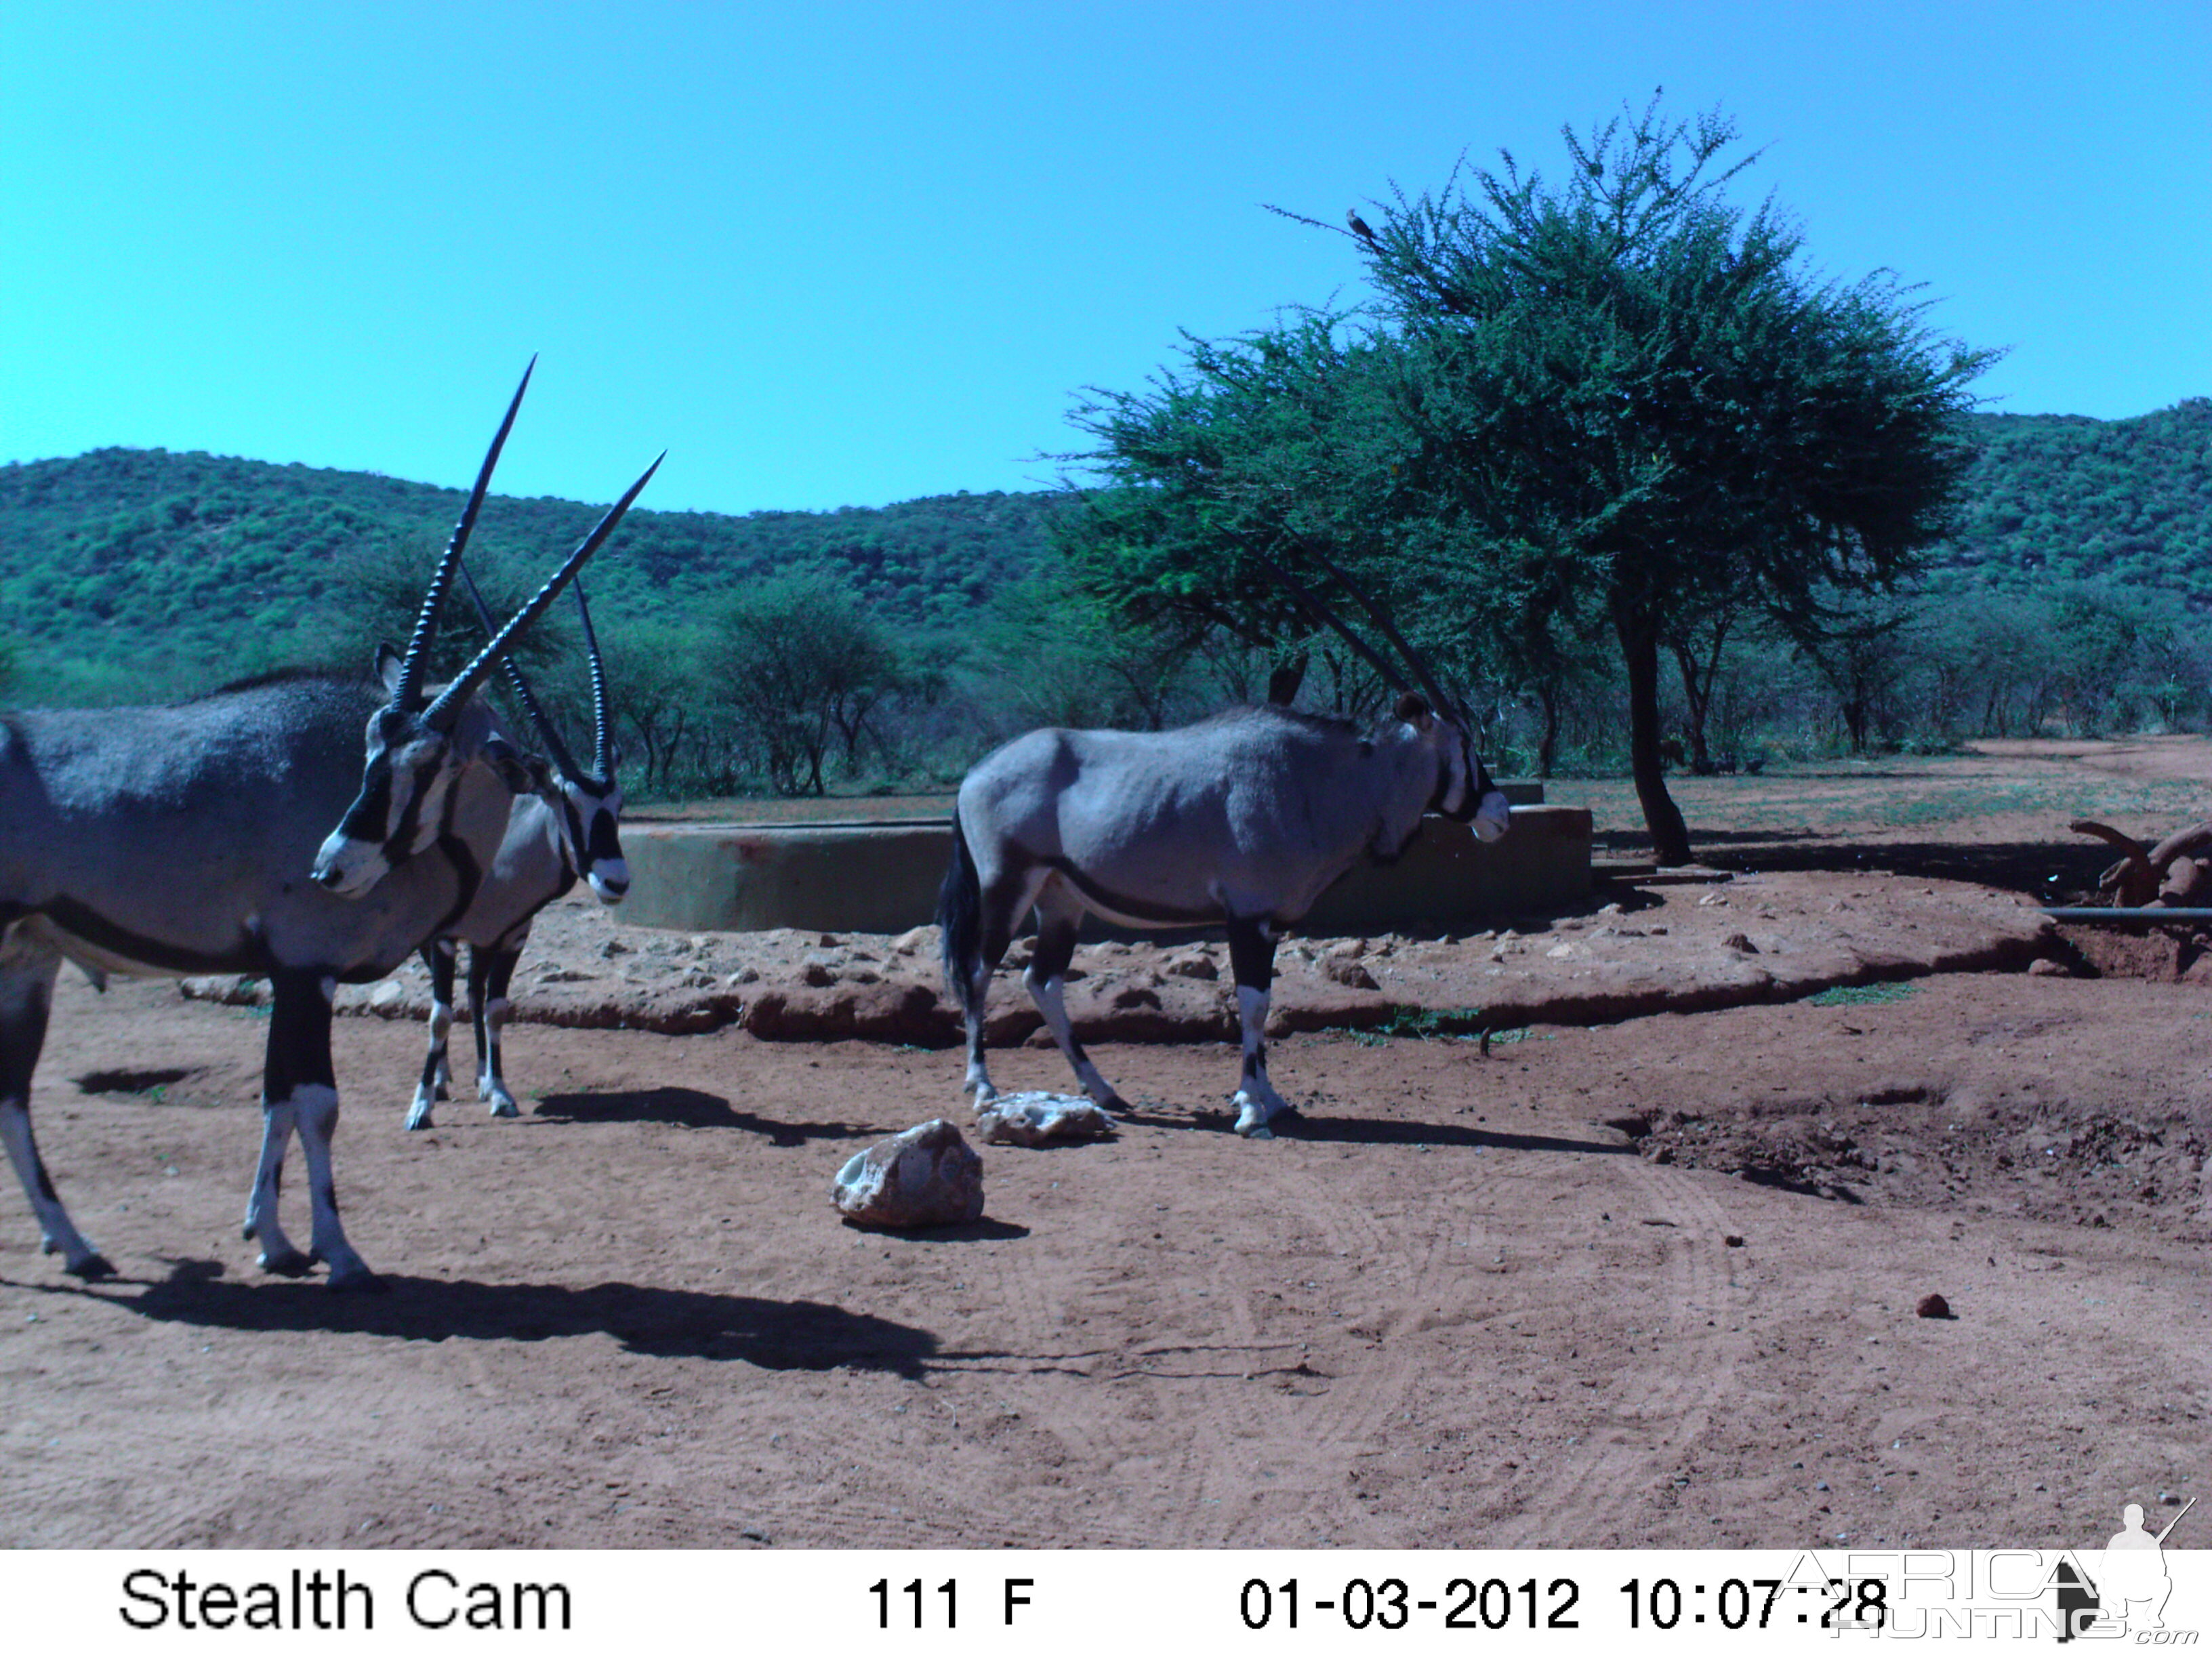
[[856, 254]]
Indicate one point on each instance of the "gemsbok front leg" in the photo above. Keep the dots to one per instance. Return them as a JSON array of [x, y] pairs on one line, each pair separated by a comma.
[[27, 967], [436, 1082], [298, 1090], [490, 968], [1252, 959]]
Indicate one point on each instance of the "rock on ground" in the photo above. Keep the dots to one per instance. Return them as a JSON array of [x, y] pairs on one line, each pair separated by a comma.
[[1036, 1117], [927, 1177]]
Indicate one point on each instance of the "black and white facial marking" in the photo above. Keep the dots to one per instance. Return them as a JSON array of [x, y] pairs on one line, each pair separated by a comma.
[[406, 790], [591, 821], [1493, 813], [1465, 790]]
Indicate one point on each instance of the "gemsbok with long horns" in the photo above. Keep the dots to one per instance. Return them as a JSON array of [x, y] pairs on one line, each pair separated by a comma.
[[568, 825], [1241, 821], [196, 839]]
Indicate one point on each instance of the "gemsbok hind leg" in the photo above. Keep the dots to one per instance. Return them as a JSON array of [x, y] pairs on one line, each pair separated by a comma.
[[996, 933], [975, 913], [1059, 920], [298, 1090], [1252, 959], [436, 1082], [27, 967]]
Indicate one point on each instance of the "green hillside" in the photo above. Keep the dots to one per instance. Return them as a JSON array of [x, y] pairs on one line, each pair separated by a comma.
[[2056, 498], [177, 569], [131, 555]]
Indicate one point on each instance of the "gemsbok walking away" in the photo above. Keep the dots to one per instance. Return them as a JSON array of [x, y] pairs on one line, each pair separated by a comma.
[[197, 839], [1241, 821], [567, 825]]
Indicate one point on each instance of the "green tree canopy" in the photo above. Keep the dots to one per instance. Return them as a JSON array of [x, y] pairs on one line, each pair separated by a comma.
[[1619, 401], [1640, 384], [805, 666]]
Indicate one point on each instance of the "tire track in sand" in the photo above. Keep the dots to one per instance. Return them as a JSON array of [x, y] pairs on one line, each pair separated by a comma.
[[1657, 1412]]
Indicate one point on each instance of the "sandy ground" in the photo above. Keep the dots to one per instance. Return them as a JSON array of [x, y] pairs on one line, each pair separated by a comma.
[[1646, 1279]]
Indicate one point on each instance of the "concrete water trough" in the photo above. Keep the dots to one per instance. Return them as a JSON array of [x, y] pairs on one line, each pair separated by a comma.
[[883, 878]]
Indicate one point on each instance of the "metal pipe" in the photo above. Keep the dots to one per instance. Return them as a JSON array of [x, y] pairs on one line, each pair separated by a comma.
[[2115, 914]]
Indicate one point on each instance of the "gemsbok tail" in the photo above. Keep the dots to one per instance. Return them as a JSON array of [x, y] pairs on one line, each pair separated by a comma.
[[960, 915]]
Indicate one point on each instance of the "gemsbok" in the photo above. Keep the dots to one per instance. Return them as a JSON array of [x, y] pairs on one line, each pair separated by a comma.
[[1240, 821], [196, 839], [567, 825]]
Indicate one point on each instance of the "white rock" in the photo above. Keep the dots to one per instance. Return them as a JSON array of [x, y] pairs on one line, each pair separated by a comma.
[[1033, 1117], [927, 1177]]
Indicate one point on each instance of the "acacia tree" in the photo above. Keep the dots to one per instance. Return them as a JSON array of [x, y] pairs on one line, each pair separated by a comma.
[[1633, 386], [1260, 448], [1283, 450], [804, 667]]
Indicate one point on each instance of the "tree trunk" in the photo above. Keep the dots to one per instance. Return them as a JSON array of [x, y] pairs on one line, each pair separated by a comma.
[[1548, 747], [1856, 709], [1695, 698], [1698, 682], [1639, 649]]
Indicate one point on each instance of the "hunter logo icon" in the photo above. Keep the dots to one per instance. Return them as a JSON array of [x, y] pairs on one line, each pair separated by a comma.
[[2132, 1585]]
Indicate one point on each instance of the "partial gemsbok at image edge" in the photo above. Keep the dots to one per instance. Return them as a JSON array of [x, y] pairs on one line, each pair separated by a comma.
[[196, 839], [568, 825], [1243, 820]]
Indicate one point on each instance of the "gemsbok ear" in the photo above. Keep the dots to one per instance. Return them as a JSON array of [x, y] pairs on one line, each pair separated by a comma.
[[513, 768], [1414, 708], [386, 666]]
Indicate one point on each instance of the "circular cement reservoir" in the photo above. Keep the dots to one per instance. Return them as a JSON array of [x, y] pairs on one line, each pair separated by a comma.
[[883, 878]]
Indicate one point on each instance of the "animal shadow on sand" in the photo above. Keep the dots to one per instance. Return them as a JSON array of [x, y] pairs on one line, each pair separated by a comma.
[[1296, 1124], [685, 1108], [645, 1319], [138, 1081]]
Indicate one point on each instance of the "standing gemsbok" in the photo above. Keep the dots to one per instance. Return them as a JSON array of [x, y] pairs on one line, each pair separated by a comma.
[[1241, 821], [567, 826], [191, 839]]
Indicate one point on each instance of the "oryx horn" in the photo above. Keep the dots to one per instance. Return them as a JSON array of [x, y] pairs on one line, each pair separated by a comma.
[[1329, 619], [603, 758], [520, 686], [441, 713], [426, 622], [1445, 705]]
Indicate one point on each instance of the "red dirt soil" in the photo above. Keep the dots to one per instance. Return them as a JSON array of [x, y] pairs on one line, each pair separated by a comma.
[[1645, 1282]]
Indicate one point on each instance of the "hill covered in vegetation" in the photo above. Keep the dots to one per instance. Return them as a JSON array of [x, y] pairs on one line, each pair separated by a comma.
[[2058, 498], [125, 556], [137, 571]]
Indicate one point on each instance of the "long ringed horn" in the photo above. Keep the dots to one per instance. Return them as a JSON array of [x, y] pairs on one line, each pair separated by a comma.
[[426, 622], [1329, 619], [519, 686], [603, 759], [1448, 705], [441, 713]]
